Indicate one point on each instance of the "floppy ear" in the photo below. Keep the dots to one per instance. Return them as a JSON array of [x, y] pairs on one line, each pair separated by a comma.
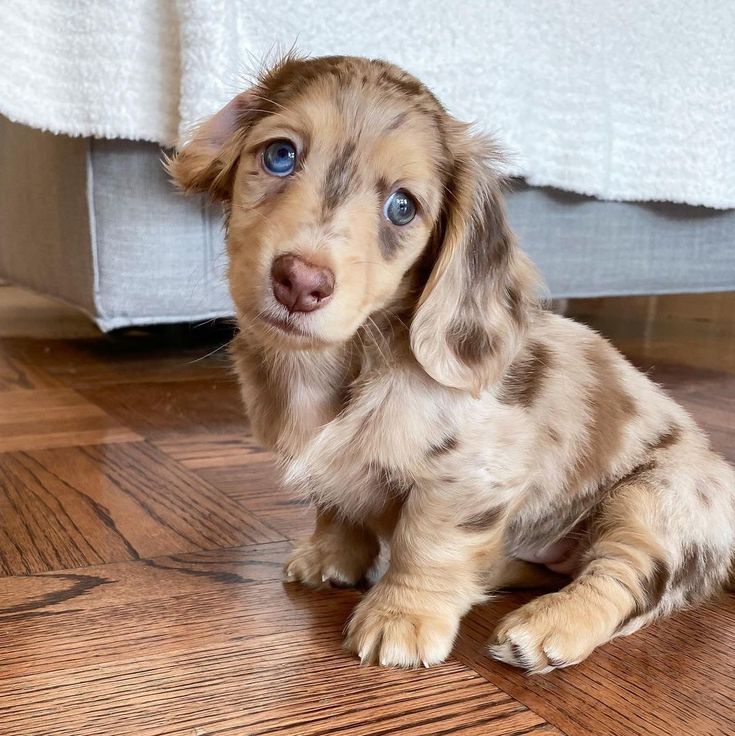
[[472, 315], [207, 160]]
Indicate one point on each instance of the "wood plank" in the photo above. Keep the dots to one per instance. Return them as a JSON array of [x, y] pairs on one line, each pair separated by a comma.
[[256, 488], [242, 689], [150, 356], [209, 644], [241, 468], [215, 451], [55, 417], [691, 329], [162, 606], [674, 677], [88, 588], [161, 410], [64, 508], [19, 374]]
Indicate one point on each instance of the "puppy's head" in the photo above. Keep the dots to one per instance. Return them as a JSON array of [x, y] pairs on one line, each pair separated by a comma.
[[349, 190]]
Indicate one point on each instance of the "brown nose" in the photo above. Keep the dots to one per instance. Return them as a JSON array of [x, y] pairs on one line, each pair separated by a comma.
[[301, 286]]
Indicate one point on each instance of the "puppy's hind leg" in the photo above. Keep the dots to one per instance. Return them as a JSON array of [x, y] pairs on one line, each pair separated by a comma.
[[624, 577]]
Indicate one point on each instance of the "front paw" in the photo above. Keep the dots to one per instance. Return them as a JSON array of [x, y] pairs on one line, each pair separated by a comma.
[[383, 632], [550, 632], [315, 562]]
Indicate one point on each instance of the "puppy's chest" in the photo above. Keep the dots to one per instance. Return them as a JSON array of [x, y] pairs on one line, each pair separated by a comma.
[[387, 435], [394, 438]]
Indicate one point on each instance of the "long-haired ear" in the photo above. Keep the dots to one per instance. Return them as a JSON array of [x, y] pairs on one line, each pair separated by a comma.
[[207, 160], [472, 315]]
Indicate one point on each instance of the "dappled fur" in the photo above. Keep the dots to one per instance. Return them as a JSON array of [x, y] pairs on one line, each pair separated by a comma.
[[433, 405]]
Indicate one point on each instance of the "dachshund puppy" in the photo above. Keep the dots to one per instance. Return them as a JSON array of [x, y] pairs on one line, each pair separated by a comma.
[[394, 355]]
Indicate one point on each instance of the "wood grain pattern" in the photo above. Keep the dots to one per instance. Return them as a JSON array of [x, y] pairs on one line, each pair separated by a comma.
[[189, 644], [241, 689], [18, 374], [696, 330], [52, 417], [162, 410], [77, 506], [239, 467], [136, 356], [142, 533], [671, 678]]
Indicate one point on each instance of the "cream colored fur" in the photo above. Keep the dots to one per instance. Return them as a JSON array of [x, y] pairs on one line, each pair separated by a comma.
[[433, 407]]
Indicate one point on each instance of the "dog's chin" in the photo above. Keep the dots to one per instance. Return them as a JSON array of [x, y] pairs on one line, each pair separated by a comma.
[[291, 332]]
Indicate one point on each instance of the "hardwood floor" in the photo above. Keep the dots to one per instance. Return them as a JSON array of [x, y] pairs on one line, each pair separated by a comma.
[[142, 533]]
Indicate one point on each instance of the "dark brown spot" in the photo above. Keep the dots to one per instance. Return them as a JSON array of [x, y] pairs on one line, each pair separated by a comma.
[[638, 474], [570, 517], [704, 497], [652, 589], [397, 121], [668, 438], [404, 83], [642, 471], [446, 445], [655, 584], [477, 216], [381, 187], [699, 571], [389, 240], [483, 521], [340, 177], [470, 342], [516, 304], [688, 569], [553, 435], [524, 378], [611, 408], [489, 241]]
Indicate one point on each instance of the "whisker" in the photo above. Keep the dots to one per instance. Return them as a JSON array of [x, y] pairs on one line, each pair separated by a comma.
[[209, 354]]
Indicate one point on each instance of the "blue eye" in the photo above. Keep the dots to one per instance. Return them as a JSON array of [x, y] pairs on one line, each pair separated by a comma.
[[400, 208], [279, 158]]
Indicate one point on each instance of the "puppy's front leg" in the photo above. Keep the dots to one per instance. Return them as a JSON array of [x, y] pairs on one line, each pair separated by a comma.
[[337, 552], [412, 615]]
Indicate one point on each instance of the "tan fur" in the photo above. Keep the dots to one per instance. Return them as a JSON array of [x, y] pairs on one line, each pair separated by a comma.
[[433, 406]]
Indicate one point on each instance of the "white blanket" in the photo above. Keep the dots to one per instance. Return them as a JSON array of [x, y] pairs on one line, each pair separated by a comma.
[[621, 99]]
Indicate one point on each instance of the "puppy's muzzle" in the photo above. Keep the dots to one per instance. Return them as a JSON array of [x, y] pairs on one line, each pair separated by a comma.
[[301, 286]]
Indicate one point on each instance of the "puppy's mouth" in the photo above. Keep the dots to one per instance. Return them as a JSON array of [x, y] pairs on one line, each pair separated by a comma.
[[290, 324]]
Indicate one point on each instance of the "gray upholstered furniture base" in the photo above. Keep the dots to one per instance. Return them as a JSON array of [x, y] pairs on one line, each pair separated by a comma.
[[95, 223]]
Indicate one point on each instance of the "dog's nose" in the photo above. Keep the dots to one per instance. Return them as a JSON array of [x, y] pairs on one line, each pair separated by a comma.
[[301, 286]]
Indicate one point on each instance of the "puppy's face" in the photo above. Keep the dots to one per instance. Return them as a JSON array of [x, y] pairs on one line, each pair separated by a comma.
[[334, 198], [340, 174]]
